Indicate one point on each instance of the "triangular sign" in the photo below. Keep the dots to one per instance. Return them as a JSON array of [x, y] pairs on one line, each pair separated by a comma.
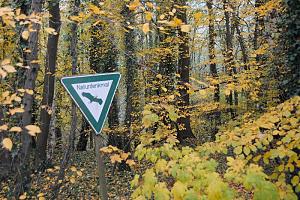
[[93, 94]]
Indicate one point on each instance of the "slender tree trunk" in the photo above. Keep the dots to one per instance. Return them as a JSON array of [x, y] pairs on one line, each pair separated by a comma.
[[236, 25], [259, 27], [131, 73], [229, 59], [184, 71], [212, 65], [71, 140], [84, 136], [5, 155], [291, 83], [49, 81], [22, 176]]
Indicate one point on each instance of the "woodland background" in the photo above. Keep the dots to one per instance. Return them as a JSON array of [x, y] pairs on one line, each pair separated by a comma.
[[208, 106]]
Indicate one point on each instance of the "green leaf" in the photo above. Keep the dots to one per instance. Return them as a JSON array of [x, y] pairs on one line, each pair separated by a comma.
[[178, 190], [238, 150], [161, 192], [191, 195]]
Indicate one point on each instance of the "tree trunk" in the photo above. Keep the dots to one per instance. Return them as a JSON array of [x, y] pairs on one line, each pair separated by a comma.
[[291, 83], [212, 65], [184, 71], [49, 81], [229, 59], [84, 136], [22, 177], [236, 25], [71, 140], [259, 28], [132, 106]]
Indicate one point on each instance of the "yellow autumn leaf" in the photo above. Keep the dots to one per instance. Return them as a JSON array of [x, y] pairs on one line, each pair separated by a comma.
[[9, 68], [7, 143], [33, 129], [130, 162], [23, 196], [28, 91], [161, 17], [124, 156], [3, 127], [21, 90], [25, 35], [115, 158], [79, 173], [73, 169], [198, 16], [72, 180], [16, 110], [5, 61], [148, 16], [42, 198], [51, 31], [164, 89], [175, 22], [40, 194], [146, 28], [149, 5], [159, 76], [106, 150], [94, 9], [134, 5], [295, 180], [15, 129], [18, 99], [3, 74], [186, 28], [227, 92]]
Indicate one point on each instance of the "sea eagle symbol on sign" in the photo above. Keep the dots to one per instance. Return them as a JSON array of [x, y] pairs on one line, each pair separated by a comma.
[[90, 97]]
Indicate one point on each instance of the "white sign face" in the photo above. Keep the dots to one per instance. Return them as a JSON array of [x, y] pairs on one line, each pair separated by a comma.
[[93, 95]]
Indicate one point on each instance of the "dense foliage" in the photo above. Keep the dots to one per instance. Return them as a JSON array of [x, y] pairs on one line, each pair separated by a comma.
[[208, 106]]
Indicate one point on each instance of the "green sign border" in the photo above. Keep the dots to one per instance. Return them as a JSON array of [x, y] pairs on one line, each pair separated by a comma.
[[67, 83]]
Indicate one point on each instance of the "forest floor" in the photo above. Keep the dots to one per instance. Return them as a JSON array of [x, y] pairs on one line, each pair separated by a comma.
[[80, 181]]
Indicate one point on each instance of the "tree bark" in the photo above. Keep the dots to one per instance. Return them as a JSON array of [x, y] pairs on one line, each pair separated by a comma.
[[291, 83], [71, 140], [49, 81], [236, 25], [229, 59], [212, 65], [84, 136], [22, 176], [184, 71], [132, 105]]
